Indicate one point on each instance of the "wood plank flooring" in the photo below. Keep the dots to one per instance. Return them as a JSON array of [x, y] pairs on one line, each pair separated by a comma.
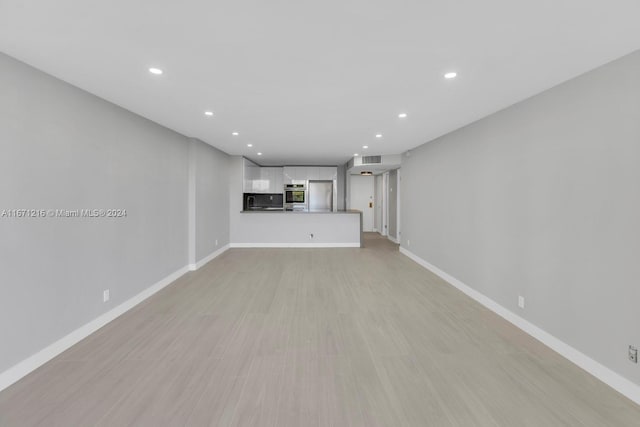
[[312, 337]]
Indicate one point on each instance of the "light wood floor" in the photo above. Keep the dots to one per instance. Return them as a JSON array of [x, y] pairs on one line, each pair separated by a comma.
[[312, 337]]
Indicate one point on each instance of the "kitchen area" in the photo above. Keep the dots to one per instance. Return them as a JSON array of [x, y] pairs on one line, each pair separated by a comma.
[[289, 188], [291, 206]]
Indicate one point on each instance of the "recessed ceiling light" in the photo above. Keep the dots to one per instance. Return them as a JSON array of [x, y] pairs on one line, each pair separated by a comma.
[[235, 134], [355, 155], [402, 115], [249, 145], [365, 147], [378, 135], [156, 71], [450, 75], [208, 113], [259, 154]]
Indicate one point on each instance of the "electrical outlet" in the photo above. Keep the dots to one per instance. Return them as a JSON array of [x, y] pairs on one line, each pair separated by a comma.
[[408, 242], [105, 295], [521, 301], [633, 354], [216, 242]]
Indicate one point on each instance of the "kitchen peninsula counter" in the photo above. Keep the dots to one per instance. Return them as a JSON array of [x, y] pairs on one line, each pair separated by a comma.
[[279, 228]]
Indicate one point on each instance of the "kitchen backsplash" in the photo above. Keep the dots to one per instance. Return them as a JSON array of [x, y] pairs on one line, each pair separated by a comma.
[[261, 200]]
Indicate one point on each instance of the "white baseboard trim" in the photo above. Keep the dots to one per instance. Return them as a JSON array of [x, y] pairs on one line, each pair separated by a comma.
[[30, 364], [203, 261], [295, 245], [604, 374]]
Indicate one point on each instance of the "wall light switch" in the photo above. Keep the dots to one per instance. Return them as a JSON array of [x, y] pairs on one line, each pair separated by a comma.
[[521, 301], [105, 295], [633, 354]]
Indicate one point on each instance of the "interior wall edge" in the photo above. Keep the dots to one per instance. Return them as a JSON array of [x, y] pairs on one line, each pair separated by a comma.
[[211, 256]]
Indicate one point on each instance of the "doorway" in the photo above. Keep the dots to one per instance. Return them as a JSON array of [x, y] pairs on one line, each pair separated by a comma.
[[361, 197], [387, 191]]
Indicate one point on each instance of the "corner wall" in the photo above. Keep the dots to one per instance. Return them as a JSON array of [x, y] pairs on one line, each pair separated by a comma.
[[211, 198], [541, 200]]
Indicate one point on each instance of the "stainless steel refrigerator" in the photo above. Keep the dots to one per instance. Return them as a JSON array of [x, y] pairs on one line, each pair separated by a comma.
[[320, 196]]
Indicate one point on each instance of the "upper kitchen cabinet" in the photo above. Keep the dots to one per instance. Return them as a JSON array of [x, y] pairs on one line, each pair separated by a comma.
[[271, 180], [294, 174], [313, 173], [300, 174], [287, 174], [259, 179], [327, 173], [251, 172]]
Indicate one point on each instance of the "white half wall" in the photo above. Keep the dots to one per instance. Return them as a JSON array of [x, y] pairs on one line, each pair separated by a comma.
[[291, 229]]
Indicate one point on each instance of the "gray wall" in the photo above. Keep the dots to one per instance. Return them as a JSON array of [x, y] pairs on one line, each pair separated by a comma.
[[236, 179], [393, 203], [341, 183], [212, 198], [62, 148], [542, 200]]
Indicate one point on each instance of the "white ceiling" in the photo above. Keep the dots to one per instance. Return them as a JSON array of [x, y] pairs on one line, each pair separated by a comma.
[[310, 82]]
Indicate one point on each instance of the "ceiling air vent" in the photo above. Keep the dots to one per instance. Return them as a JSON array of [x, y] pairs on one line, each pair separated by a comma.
[[368, 160], [350, 163]]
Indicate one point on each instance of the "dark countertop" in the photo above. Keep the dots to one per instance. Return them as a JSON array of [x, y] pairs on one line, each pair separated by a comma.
[[278, 210], [264, 209]]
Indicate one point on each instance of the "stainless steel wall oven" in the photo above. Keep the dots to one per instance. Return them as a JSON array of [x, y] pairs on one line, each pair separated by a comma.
[[295, 197]]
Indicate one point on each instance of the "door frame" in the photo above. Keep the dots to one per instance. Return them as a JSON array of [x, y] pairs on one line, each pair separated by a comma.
[[398, 229], [385, 204]]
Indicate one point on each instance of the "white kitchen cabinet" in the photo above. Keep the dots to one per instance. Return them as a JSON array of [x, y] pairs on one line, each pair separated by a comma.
[[278, 181], [295, 174], [313, 173], [264, 180], [251, 171], [259, 179], [287, 174], [270, 181], [299, 174], [327, 173]]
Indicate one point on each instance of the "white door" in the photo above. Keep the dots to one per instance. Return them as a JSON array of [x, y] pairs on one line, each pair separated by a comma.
[[361, 195]]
